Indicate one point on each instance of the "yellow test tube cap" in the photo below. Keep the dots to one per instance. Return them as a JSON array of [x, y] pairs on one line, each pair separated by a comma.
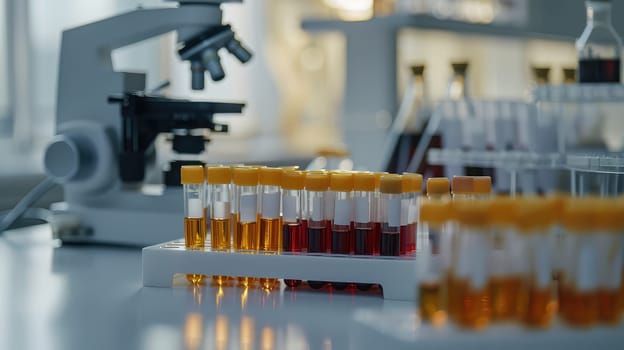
[[317, 181], [293, 180], [533, 214], [341, 181], [270, 176], [435, 211], [192, 174], [245, 175], [462, 184], [391, 184], [481, 185], [218, 174], [438, 186], [579, 215], [378, 176], [412, 182], [363, 181], [471, 212]]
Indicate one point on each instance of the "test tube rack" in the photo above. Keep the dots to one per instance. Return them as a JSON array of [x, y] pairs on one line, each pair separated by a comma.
[[396, 275]]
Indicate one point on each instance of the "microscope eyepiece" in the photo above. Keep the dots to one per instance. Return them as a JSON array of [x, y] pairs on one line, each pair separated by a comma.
[[238, 50]]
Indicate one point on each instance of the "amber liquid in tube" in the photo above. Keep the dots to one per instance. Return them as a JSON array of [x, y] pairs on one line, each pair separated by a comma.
[[194, 238], [220, 240], [504, 292], [270, 241], [609, 306], [246, 238], [474, 308], [540, 307], [581, 308], [431, 303]]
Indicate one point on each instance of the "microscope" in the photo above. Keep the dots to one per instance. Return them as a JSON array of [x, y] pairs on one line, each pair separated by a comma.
[[107, 124]]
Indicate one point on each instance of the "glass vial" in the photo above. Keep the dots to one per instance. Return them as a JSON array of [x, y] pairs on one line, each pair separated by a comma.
[[377, 219], [364, 216], [412, 185], [192, 178], [316, 188], [293, 236], [218, 180], [391, 189], [270, 218], [341, 184], [246, 233], [599, 47]]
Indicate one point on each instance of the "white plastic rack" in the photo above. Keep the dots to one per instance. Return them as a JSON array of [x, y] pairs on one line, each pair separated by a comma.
[[396, 275]]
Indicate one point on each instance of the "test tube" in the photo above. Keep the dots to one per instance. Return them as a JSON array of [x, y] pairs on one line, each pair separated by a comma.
[[246, 234], [534, 219], [579, 279], [470, 270], [412, 184], [192, 178], [507, 259], [341, 184], [391, 189], [270, 221], [609, 241], [218, 179], [433, 218], [316, 186], [294, 237], [364, 216], [377, 219]]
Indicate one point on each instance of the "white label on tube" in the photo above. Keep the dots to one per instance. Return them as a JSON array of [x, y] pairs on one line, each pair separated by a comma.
[[393, 210], [289, 209], [362, 210], [221, 210], [405, 207], [462, 269], [586, 266], [316, 214], [195, 208], [543, 263], [479, 260], [270, 205], [248, 208], [342, 212]]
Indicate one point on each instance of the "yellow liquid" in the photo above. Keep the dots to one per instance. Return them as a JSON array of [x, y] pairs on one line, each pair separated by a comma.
[[609, 308], [220, 234], [270, 235], [246, 238], [431, 303], [473, 306], [505, 292], [194, 238], [579, 308], [540, 308]]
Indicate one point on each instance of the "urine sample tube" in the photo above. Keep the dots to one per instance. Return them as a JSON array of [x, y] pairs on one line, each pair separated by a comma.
[[578, 297], [508, 263], [609, 245], [391, 190], [316, 187], [247, 234], [293, 236], [433, 218], [218, 179], [270, 220], [412, 184], [534, 219], [470, 269], [377, 219], [192, 178]]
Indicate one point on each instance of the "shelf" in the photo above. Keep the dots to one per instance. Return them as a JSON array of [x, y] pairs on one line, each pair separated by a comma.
[[603, 163], [397, 275], [580, 93], [422, 21], [509, 160]]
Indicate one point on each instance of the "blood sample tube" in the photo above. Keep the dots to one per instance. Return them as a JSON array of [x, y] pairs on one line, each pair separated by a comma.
[[507, 259], [412, 185], [342, 239], [218, 179], [391, 189], [533, 221], [377, 219], [434, 215], [364, 216], [609, 241], [192, 178], [470, 270], [246, 235], [579, 278], [270, 221], [316, 186], [293, 236]]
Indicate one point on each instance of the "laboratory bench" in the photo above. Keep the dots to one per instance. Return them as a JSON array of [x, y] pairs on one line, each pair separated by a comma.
[[91, 297]]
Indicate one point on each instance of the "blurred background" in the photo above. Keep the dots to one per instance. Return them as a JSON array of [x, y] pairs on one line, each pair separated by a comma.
[[325, 72]]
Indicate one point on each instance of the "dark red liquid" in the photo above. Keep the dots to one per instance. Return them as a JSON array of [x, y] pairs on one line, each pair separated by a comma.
[[327, 239], [376, 238], [411, 242], [404, 238], [364, 241], [304, 235], [390, 244], [341, 240], [352, 241], [291, 242], [316, 239], [599, 71]]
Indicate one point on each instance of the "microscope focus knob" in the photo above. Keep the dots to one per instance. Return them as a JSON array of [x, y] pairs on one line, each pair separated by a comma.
[[66, 159]]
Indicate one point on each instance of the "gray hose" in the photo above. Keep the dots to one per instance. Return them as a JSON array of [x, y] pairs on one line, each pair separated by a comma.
[[28, 200]]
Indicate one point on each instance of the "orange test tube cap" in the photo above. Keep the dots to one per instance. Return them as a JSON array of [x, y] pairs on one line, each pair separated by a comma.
[[192, 174]]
